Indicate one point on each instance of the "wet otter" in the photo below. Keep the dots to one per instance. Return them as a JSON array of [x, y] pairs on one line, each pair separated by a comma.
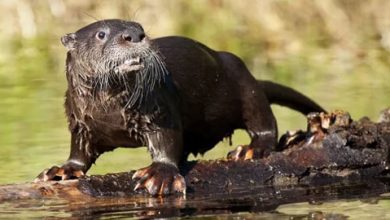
[[172, 94]]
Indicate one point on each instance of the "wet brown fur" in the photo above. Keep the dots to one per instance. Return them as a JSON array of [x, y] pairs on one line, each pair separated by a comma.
[[189, 100]]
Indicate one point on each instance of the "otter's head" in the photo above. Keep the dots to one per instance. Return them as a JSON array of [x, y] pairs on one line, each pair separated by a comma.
[[112, 54]]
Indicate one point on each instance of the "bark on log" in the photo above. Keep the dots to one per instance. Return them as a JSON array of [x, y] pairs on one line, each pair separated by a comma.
[[334, 149]]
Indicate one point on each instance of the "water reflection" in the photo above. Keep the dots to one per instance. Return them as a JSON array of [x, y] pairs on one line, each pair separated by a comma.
[[301, 202]]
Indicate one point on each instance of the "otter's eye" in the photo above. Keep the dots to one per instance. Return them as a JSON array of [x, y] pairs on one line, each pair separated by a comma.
[[100, 35]]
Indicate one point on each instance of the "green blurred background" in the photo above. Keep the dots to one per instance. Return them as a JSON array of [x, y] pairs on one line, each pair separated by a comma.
[[335, 51]]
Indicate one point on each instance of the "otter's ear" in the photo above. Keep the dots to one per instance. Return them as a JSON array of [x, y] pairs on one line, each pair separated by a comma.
[[69, 41]]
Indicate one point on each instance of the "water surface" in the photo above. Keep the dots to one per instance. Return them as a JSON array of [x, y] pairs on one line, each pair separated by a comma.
[[34, 136]]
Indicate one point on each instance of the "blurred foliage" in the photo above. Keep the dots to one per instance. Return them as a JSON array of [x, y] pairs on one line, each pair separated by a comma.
[[335, 51]]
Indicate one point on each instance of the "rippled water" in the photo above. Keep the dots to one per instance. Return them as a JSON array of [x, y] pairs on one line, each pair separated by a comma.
[[239, 205]]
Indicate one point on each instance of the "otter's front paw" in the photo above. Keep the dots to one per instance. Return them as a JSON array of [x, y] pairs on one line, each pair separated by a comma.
[[160, 179], [65, 172]]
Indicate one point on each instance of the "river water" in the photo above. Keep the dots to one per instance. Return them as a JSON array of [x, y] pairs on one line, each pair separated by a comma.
[[34, 136]]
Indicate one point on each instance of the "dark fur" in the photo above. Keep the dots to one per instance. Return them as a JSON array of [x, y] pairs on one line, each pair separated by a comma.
[[185, 99]]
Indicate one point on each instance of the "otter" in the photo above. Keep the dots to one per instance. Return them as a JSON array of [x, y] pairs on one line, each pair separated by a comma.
[[172, 94]]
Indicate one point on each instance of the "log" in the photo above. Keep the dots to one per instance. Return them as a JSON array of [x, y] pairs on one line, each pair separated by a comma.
[[334, 150]]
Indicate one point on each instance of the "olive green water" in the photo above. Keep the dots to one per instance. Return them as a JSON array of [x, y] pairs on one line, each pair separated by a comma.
[[33, 126], [34, 133], [339, 59]]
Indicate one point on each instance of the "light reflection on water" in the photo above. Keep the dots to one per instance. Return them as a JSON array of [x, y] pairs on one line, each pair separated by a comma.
[[371, 208], [248, 206]]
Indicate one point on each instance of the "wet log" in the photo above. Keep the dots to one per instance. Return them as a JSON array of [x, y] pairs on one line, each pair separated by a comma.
[[334, 149]]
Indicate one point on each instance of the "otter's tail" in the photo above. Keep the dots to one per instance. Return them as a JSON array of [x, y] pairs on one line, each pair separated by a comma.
[[283, 95]]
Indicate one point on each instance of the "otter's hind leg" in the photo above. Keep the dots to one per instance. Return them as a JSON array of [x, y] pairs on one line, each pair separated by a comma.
[[260, 123]]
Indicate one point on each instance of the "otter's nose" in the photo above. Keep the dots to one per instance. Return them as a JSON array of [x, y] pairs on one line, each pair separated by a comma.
[[133, 37]]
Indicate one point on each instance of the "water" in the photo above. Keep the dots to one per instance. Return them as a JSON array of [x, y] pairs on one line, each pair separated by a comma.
[[34, 134], [370, 208], [342, 203]]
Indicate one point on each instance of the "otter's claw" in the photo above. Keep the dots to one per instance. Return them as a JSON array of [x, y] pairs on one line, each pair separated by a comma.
[[59, 173], [242, 152], [160, 179]]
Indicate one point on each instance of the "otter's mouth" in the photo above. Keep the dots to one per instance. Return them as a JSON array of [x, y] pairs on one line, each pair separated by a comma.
[[129, 65]]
